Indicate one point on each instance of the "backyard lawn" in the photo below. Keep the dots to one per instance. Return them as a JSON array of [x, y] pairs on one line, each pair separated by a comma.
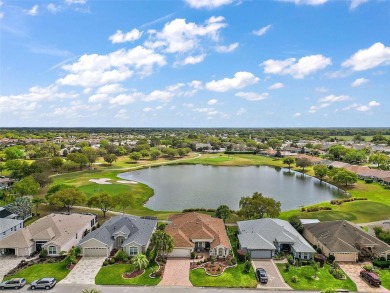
[[55, 270], [231, 278], [112, 275], [306, 281]]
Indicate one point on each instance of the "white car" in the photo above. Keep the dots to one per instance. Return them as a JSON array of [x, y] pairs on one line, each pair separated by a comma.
[[15, 283]]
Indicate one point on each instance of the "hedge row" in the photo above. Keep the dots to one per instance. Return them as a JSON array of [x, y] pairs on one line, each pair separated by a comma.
[[383, 264], [343, 200], [316, 209]]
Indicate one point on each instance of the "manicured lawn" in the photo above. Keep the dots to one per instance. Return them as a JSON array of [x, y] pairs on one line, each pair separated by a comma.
[[306, 282], [385, 277], [231, 278], [55, 270], [112, 275]]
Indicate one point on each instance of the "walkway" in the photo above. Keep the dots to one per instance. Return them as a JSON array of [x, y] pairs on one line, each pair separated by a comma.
[[176, 273], [85, 271]]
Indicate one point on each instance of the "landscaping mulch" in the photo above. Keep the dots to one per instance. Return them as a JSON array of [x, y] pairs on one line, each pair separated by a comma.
[[133, 274]]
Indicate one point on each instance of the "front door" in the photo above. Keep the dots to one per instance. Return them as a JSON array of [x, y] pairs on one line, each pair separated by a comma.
[[38, 245], [198, 246]]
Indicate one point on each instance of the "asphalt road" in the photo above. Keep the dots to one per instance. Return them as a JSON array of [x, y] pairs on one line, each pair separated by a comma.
[[59, 288]]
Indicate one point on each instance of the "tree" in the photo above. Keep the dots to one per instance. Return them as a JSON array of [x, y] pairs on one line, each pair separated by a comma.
[[37, 201], [258, 206], [53, 189], [355, 156], [289, 161], [90, 153], [223, 212], [123, 200], [155, 154], [163, 242], [2, 168], [145, 153], [345, 176], [296, 223], [135, 156], [380, 159], [110, 158], [140, 261], [13, 153], [303, 163], [42, 179], [26, 186], [103, 201], [56, 163], [274, 143], [170, 152], [337, 151], [320, 171], [67, 198], [78, 158]]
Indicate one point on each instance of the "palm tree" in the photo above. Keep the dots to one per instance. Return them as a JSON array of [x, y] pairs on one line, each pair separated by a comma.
[[37, 201], [140, 261], [163, 242]]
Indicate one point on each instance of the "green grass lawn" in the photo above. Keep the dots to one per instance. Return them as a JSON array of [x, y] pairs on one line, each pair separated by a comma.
[[385, 277], [112, 275], [55, 270], [231, 278], [306, 282]]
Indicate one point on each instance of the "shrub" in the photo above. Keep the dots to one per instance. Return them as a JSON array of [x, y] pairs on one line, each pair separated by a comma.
[[320, 258], [248, 266], [328, 290], [287, 267], [192, 255], [290, 259], [125, 260], [120, 255], [331, 258], [112, 261], [241, 255], [77, 251], [295, 279], [338, 273], [384, 264], [368, 180], [233, 261], [368, 268], [105, 263], [43, 253], [319, 250]]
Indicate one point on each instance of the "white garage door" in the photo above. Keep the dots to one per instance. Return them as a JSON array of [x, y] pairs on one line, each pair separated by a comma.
[[345, 256], [180, 252], [261, 254], [93, 251]]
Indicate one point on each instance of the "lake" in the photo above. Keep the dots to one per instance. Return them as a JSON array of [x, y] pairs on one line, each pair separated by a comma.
[[198, 186]]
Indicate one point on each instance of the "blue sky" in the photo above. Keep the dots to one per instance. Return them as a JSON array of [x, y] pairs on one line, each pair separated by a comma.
[[195, 63]]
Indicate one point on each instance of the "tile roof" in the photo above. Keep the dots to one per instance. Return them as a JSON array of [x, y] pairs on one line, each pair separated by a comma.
[[263, 233], [185, 228], [344, 236], [135, 229]]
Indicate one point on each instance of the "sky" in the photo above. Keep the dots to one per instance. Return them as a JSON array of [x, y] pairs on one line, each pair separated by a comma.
[[195, 63]]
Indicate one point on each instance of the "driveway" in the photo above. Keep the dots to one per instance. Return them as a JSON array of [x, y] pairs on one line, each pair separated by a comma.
[[275, 279], [353, 271], [85, 271], [8, 263], [176, 273]]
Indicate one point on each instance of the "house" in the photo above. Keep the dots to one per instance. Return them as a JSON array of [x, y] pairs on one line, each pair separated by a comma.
[[130, 233], [7, 214], [55, 233], [263, 238], [195, 232], [313, 160], [344, 240], [9, 226]]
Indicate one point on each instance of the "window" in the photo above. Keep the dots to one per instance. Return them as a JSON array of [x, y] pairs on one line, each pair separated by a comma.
[[133, 250], [76, 235], [52, 250], [220, 252]]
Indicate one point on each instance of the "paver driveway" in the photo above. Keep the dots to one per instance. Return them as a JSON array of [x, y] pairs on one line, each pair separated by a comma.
[[7, 263], [85, 271], [275, 279], [176, 273], [353, 271]]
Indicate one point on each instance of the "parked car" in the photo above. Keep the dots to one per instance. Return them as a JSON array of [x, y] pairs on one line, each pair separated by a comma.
[[44, 283], [15, 283], [371, 278], [261, 275]]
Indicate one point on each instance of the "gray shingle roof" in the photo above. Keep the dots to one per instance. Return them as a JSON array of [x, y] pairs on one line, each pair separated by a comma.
[[134, 228], [6, 224], [262, 233]]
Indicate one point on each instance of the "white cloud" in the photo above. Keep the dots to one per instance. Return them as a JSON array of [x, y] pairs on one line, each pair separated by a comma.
[[241, 111], [121, 114], [33, 11], [363, 108], [297, 114], [110, 89], [359, 82], [276, 86], [333, 99], [306, 2], [120, 37], [251, 96], [297, 68], [52, 8], [321, 89], [240, 80], [212, 102], [196, 84], [226, 49], [95, 70], [262, 31], [1, 15], [147, 109], [314, 109], [188, 105], [124, 99], [193, 59], [157, 95], [98, 98], [76, 1], [369, 58], [356, 3], [208, 111], [209, 4]]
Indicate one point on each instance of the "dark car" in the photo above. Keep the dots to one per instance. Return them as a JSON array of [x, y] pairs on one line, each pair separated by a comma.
[[371, 278], [15, 283], [44, 283], [261, 275]]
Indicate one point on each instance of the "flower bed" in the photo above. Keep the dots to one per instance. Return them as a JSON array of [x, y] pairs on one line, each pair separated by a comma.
[[133, 274], [212, 268]]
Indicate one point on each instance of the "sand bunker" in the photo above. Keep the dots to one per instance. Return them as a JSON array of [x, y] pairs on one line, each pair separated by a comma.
[[127, 182], [101, 181]]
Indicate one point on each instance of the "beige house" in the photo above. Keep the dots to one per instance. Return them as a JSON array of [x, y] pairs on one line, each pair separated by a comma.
[[195, 232], [55, 233], [344, 240]]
